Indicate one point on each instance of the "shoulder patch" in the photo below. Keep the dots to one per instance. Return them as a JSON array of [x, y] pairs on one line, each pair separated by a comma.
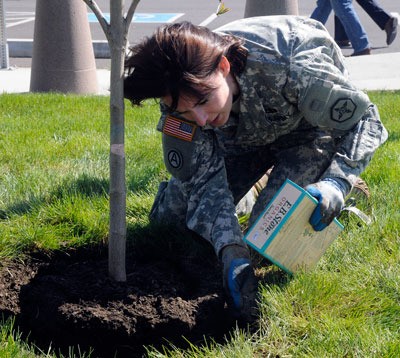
[[179, 128], [343, 110], [175, 158], [328, 105]]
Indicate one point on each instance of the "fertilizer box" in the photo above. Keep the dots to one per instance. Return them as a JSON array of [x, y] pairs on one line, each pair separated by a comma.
[[283, 234]]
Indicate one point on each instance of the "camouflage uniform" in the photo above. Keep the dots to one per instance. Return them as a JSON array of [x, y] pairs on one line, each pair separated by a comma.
[[298, 113]]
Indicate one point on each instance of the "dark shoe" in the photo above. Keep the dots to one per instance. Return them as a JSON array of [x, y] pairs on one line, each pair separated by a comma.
[[343, 43], [367, 51], [391, 29]]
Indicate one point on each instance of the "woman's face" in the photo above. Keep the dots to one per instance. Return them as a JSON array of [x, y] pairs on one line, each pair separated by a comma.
[[215, 107]]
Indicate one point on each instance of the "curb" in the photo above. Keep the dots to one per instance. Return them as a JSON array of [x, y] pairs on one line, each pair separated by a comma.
[[24, 48]]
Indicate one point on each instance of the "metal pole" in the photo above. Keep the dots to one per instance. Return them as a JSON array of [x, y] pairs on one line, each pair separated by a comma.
[[4, 60], [271, 7]]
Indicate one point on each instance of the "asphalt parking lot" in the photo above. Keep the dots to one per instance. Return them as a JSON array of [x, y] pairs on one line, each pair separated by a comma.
[[20, 18], [370, 72]]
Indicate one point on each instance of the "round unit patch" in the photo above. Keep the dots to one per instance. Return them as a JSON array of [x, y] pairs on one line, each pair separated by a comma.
[[175, 159]]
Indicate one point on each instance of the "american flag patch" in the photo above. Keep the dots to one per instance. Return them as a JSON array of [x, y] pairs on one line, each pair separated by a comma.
[[178, 128]]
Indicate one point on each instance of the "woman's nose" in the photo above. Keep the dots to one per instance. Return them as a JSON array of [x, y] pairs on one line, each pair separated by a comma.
[[200, 116]]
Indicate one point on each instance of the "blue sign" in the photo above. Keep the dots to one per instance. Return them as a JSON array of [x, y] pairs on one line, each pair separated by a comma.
[[144, 17]]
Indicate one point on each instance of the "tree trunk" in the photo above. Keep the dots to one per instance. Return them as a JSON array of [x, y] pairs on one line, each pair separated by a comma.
[[117, 230]]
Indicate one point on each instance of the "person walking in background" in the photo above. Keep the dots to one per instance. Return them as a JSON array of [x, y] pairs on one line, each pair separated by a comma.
[[384, 20], [346, 13]]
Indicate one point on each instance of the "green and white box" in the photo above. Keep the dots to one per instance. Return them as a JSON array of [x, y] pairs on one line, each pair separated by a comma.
[[283, 234]]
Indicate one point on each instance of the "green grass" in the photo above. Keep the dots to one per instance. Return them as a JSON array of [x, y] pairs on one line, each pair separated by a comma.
[[55, 174], [54, 195]]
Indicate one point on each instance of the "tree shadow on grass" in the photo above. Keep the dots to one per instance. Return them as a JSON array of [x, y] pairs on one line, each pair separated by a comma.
[[83, 185]]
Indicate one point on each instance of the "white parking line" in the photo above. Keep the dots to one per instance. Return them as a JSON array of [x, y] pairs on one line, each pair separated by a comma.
[[29, 19], [15, 18], [209, 19], [13, 14]]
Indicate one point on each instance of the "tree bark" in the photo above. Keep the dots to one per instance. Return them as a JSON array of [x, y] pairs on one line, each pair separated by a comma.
[[117, 33], [117, 231]]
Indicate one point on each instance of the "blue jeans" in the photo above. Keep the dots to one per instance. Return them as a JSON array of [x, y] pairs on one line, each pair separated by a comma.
[[345, 12], [373, 9]]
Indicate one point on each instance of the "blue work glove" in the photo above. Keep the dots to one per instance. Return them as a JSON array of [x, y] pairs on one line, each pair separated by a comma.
[[330, 194], [240, 283]]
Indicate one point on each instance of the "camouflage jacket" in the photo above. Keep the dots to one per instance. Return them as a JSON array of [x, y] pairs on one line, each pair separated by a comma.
[[294, 72]]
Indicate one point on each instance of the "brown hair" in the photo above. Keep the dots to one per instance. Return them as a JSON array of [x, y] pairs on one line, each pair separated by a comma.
[[176, 60]]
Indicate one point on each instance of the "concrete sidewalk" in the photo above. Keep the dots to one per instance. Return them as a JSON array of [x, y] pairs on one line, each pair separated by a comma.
[[17, 80], [373, 72]]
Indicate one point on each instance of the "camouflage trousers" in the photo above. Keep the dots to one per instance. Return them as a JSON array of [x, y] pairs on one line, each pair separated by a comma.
[[301, 156]]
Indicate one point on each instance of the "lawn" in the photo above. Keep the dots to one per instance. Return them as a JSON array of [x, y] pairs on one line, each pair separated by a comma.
[[54, 196]]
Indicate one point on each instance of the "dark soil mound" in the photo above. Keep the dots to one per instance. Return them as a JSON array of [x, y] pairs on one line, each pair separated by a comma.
[[69, 300]]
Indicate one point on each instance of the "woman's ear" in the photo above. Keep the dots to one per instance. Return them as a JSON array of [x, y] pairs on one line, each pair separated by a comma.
[[224, 66]]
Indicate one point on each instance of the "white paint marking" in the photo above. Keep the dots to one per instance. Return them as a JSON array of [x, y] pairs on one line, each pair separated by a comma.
[[209, 19], [20, 22]]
